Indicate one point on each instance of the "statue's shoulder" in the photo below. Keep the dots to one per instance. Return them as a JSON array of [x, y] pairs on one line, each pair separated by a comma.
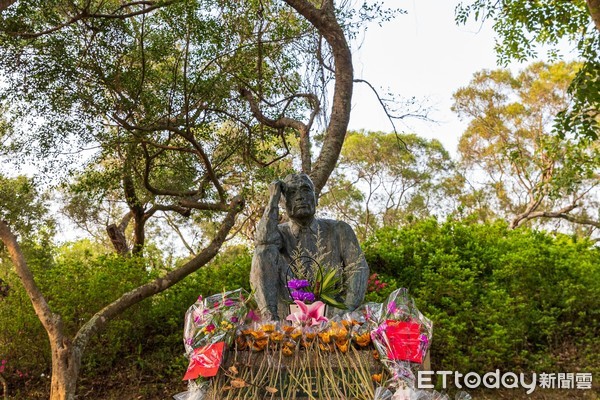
[[334, 224]]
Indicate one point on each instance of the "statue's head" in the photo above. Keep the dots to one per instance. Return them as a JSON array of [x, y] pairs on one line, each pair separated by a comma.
[[299, 196]]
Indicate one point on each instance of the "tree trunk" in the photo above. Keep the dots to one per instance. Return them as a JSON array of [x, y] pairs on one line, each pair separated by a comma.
[[4, 4], [139, 232], [118, 239], [594, 9], [324, 20], [66, 361]]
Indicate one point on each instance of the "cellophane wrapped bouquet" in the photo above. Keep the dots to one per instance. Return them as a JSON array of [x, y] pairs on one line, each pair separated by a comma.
[[402, 336], [210, 328]]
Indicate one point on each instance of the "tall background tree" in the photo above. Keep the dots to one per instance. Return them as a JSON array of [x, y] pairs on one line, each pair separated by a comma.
[[511, 151], [525, 28], [388, 180]]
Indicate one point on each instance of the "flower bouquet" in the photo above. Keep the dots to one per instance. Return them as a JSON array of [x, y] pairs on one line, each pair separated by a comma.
[[210, 326], [403, 335], [377, 345]]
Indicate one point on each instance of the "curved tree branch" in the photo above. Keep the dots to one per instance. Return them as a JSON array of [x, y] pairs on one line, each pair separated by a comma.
[[285, 122], [562, 213], [325, 21]]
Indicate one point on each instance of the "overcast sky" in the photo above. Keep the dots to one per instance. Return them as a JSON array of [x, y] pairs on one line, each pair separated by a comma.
[[425, 54]]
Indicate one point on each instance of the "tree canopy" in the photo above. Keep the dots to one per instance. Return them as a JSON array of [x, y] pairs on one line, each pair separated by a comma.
[[525, 28], [510, 148]]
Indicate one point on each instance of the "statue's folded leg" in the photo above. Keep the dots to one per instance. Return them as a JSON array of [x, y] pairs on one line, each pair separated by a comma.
[[264, 279]]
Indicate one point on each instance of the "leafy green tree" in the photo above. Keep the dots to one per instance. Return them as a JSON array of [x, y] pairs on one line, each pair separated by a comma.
[[524, 26], [169, 91], [386, 179], [513, 153]]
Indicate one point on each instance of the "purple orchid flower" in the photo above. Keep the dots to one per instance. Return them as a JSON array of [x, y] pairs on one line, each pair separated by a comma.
[[296, 284], [303, 296]]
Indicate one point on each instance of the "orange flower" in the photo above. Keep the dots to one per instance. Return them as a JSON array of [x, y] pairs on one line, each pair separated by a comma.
[[268, 327], [363, 340], [259, 345], [276, 336], [241, 343], [376, 377], [342, 345], [288, 329], [338, 331], [376, 354], [296, 334], [258, 335], [287, 351], [325, 337]]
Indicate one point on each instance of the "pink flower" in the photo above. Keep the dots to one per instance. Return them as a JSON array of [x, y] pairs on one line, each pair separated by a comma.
[[253, 316], [311, 314], [228, 303], [392, 307], [210, 328]]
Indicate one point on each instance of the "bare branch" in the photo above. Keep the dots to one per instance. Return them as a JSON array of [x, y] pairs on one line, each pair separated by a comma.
[[562, 213], [285, 122], [200, 205], [154, 190], [175, 228], [183, 211]]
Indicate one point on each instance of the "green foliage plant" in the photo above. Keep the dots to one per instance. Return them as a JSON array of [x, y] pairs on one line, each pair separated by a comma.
[[498, 298]]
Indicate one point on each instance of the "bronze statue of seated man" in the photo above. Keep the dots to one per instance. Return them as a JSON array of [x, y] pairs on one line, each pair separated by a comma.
[[278, 245]]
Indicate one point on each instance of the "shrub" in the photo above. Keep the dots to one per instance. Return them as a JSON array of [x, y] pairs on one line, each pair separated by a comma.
[[499, 298]]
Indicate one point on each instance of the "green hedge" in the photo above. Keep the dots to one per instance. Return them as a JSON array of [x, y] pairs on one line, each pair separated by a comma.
[[499, 298]]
